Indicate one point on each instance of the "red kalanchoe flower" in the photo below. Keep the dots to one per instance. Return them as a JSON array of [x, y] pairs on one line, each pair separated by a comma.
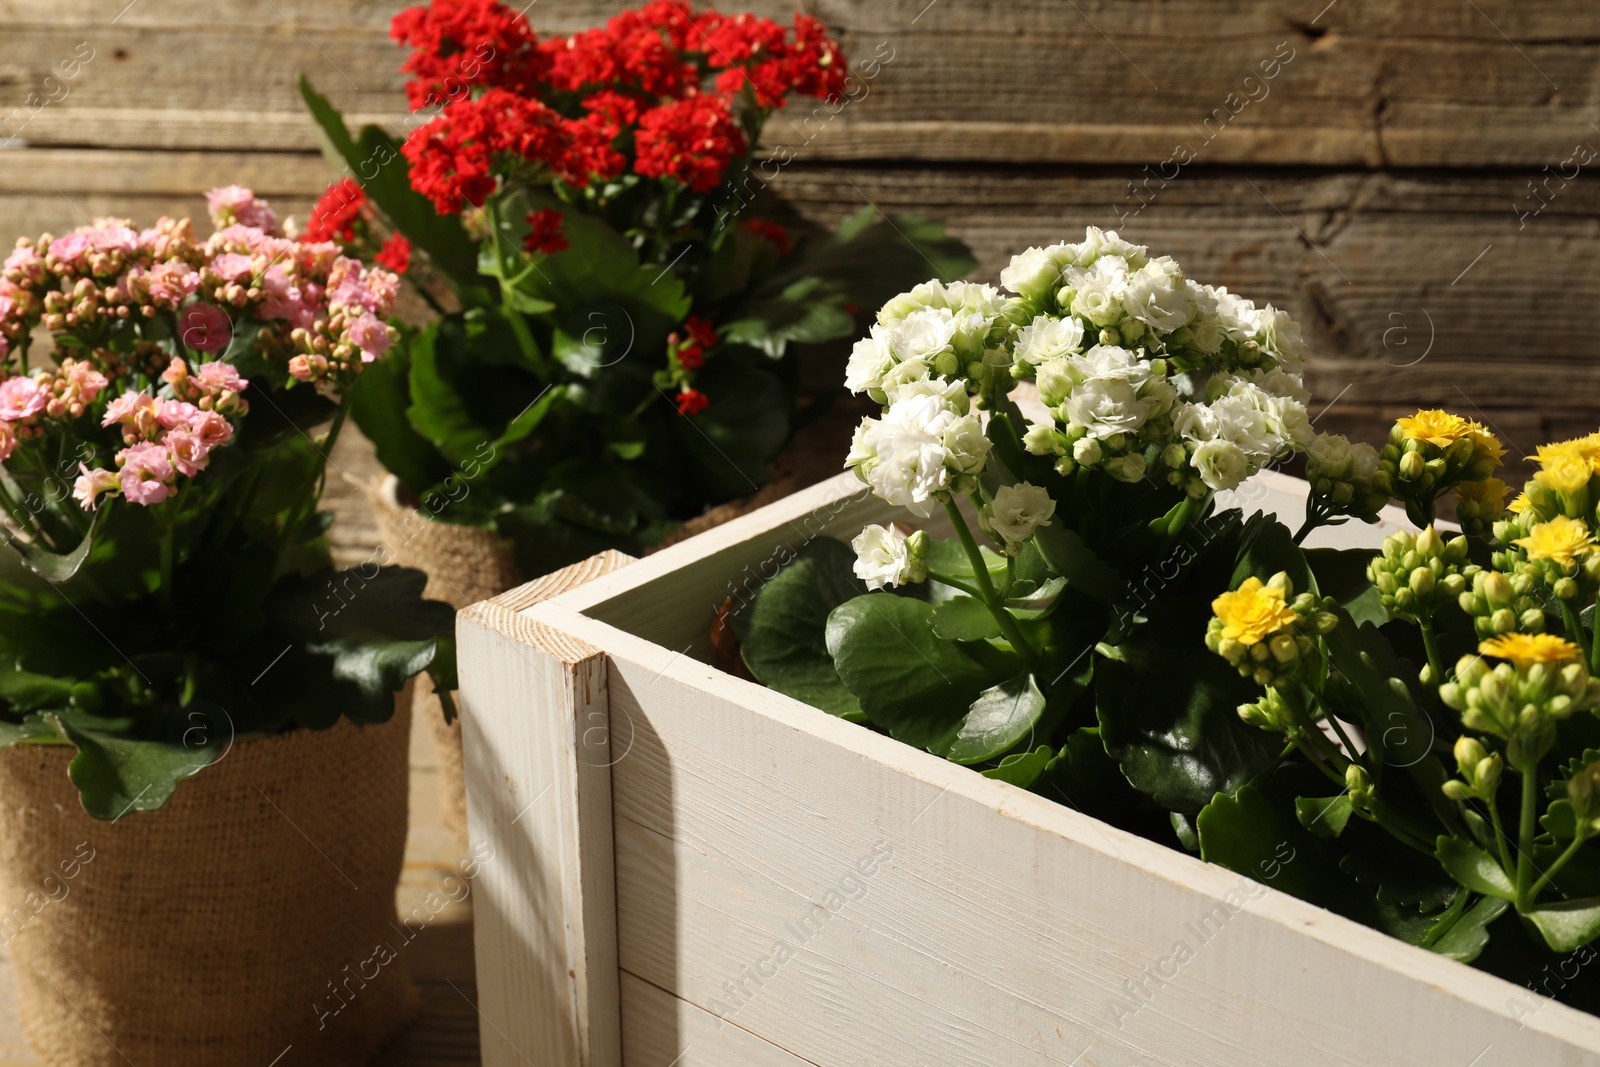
[[816, 66], [700, 331], [462, 44], [395, 254], [544, 232], [692, 402], [769, 231], [692, 140], [453, 157], [334, 215]]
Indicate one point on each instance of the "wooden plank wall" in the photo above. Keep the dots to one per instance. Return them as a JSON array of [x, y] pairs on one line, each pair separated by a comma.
[[1413, 180]]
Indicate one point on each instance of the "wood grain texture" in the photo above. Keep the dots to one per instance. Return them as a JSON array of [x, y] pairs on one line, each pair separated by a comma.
[[850, 899], [1363, 83], [534, 733]]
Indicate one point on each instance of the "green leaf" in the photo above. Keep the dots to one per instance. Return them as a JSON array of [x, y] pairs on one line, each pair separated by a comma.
[[1324, 816], [1474, 868], [360, 636], [964, 618], [374, 160], [735, 438], [116, 775], [1001, 716], [58, 567], [471, 389], [782, 630], [807, 310], [909, 681], [1036, 603], [1070, 556], [1569, 925], [1023, 768], [378, 403], [1266, 548], [33, 730], [1464, 937], [1249, 834], [950, 559], [1169, 715]]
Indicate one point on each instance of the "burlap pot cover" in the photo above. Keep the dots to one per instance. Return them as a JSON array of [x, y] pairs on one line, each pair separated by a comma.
[[250, 918], [464, 564]]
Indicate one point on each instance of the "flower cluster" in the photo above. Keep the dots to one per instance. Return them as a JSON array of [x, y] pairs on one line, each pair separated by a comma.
[[1416, 573], [686, 354], [343, 216], [152, 316], [657, 92], [1265, 631], [887, 555], [1433, 452], [1342, 477], [1542, 679], [1141, 366]]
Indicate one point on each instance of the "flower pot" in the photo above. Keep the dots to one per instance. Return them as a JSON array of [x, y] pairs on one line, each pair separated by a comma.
[[739, 878], [464, 564], [251, 917]]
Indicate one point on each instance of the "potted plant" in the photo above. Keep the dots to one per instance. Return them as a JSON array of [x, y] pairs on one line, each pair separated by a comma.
[[614, 344], [1146, 678], [168, 611]]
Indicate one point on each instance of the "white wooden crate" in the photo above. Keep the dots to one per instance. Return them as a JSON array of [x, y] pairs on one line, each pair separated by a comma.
[[690, 869]]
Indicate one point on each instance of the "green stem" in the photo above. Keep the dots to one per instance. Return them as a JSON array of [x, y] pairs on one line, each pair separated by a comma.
[[986, 591], [1313, 520], [1499, 834], [1525, 830], [1435, 664], [1594, 644], [1574, 625], [945, 579], [1555, 868]]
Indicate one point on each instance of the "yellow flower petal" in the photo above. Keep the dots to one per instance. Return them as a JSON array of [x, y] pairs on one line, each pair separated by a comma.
[[1562, 540], [1436, 427], [1526, 649], [1253, 611]]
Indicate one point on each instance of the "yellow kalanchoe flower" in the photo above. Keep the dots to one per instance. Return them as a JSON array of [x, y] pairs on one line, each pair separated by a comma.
[[1485, 444], [1519, 505], [1588, 447], [1561, 540], [1524, 650], [1435, 426], [1566, 470], [1253, 611]]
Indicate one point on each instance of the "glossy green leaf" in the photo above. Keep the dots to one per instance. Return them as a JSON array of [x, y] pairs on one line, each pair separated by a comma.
[[1324, 816], [1070, 556], [378, 403], [1464, 937], [1023, 768], [1569, 925], [964, 618], [1474, 868], [997, 720], [909, 681], [116, 775], [782, 623], [1169, 715]]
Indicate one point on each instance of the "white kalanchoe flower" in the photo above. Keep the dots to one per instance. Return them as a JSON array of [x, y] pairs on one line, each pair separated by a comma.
[[1035, 272], [885, 556], [1221, 465], [1017, 511], [909, 455], [1042, 439], [923, 335], [1098, 291], [1048, 338], [870, 360], [1157, 296]]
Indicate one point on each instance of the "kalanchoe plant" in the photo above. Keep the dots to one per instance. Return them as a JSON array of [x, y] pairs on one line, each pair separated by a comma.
[[1047, 657], [167, 588], [614, 341]]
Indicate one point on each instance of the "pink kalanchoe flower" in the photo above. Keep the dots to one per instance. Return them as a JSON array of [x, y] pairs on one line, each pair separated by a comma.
[[8, 441], [234, 267], [218, 376], [70, 250], [212, 429], [110, 235], [172, 282], [86, 380], [26, 264], [22, 398], [236, 205], [187, 451], [126, 408], [91, 483], [371, 336], [175, 414], [205, 328], [146, 473]]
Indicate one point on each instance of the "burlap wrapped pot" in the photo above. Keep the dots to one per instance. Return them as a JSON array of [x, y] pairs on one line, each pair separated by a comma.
[[464, 564], [239, 923]]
